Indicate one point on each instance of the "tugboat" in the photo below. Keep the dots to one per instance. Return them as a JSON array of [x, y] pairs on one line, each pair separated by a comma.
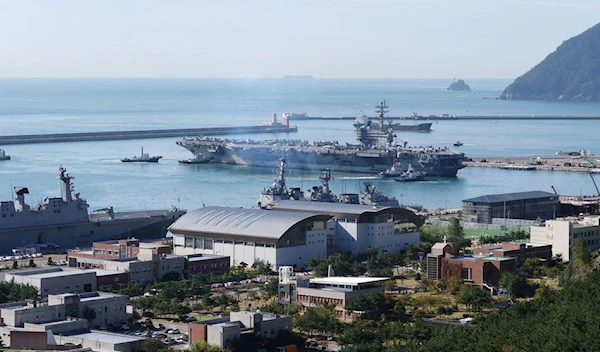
[[3, 155], [394, 171], [411, 175], [143, 158], [457, 143], [197, 159]]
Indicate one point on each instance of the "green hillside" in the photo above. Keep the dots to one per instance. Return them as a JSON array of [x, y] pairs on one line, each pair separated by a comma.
[[572, 72]]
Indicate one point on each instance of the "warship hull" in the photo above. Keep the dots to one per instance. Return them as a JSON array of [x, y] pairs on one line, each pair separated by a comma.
[[141, 225], [318, 157]]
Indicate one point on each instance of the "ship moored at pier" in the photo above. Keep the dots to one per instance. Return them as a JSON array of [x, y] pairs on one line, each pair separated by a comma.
[[375, 152], [65, 222]]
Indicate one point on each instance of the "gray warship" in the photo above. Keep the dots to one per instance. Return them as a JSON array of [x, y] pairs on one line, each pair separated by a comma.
[[375, 153], [65, 222], [279, 191]]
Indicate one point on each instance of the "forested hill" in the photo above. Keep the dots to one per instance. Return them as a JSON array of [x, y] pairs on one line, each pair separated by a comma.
[[572, 72]]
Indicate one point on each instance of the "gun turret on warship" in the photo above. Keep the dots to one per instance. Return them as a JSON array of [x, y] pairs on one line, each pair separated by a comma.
[[279, 191], [65, 222], [375, 152]]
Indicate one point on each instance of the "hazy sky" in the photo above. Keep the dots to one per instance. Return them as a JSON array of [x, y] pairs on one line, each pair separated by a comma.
[[253, 38]]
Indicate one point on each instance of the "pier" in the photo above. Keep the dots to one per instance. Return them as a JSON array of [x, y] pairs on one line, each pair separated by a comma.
[[456, 117], [549, 163], [141, 134]]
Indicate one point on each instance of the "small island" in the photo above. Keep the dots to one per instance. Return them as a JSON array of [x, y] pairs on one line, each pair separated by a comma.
[[459, 85]]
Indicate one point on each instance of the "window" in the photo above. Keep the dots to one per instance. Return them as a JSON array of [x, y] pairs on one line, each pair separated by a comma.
[[199, 243], [208, 243], [189, 242]]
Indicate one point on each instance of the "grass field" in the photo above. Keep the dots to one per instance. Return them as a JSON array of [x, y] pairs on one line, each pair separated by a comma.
[[471, 232]]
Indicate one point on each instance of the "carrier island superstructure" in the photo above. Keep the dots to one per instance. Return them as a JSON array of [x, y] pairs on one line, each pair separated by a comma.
[[376, 152], [65, 222]]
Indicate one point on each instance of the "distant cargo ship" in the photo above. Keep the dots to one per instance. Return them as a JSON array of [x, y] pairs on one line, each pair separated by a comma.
[[361, 119]]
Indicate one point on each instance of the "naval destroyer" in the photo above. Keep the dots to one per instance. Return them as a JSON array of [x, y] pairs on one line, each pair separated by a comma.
[[375, 152], [65, 222], [279, 191]]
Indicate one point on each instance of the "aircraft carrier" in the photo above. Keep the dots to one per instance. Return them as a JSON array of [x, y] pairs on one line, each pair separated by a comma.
[[376, 152], [64, 222]]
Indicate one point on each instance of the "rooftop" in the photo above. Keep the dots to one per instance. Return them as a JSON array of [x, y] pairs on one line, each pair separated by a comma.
[[508, 197], [269, 224], [342, 280], [44, 274], [201, 257], [105, 337]]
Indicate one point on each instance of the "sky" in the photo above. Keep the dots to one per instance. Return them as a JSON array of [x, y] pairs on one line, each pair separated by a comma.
[[272, 38]]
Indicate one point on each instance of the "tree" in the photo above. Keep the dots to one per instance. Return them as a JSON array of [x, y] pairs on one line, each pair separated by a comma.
[[205, 347], [272, 288], [88, 314], [513, 283], [154, 345], [15, 265], [32, 264], [456, 234], [371, 304], [475, 297], [49, 261]]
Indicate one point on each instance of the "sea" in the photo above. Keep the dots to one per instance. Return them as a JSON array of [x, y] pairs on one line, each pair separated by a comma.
[[36, 106]]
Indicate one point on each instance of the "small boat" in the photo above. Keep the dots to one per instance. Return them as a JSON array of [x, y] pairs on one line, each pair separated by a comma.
[[457, 143], [3, 155], [143, 158], [394, 171], [197, 159], [411, 175]]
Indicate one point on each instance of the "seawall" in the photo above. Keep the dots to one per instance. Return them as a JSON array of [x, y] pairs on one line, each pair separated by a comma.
[[453, 117], [117, 135]]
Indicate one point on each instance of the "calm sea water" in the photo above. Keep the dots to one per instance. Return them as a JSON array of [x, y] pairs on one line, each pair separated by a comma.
[[30, 106]]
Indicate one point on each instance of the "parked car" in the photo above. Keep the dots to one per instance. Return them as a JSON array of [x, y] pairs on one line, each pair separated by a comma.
[[190, 319], [173, 331]]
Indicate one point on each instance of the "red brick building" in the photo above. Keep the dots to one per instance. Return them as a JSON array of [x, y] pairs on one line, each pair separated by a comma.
[[520, 251], [445, 262]]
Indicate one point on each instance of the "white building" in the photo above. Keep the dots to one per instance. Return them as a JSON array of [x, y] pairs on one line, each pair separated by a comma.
[[248, 235], [356, 228], [336, 291], [563, 233], [223, 331], [55, 280]]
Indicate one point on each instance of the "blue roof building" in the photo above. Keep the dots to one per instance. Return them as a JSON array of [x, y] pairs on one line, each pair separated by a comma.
[[529, 205]]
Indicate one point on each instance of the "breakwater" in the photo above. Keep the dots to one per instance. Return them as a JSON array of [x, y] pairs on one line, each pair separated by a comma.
[[456, 117], [141, 134], [588, 163]]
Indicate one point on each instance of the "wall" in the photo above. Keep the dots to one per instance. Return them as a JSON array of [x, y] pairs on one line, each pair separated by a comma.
[[110, 311], [222, 335], [139, 272], [40, 314]]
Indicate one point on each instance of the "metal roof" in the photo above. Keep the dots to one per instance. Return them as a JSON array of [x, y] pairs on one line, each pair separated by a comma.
[[270, 224], [349, 210], [327, 207], [508, 197]]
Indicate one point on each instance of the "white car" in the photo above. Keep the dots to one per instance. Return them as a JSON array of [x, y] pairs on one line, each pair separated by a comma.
[[173, 331]]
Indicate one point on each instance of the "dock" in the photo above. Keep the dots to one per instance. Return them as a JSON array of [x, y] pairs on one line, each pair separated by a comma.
[[548, 163], [456, 117], [142, 134]]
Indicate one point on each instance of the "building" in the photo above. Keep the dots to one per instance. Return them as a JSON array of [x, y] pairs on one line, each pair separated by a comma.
[[56, 280], [562, 234], [150, 261], [519, 251], [445, 262], [109, 309], [355, 228], [206, 263], [336, 291], [521, 205], [248, 235], [223, 331], [294, 231]]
